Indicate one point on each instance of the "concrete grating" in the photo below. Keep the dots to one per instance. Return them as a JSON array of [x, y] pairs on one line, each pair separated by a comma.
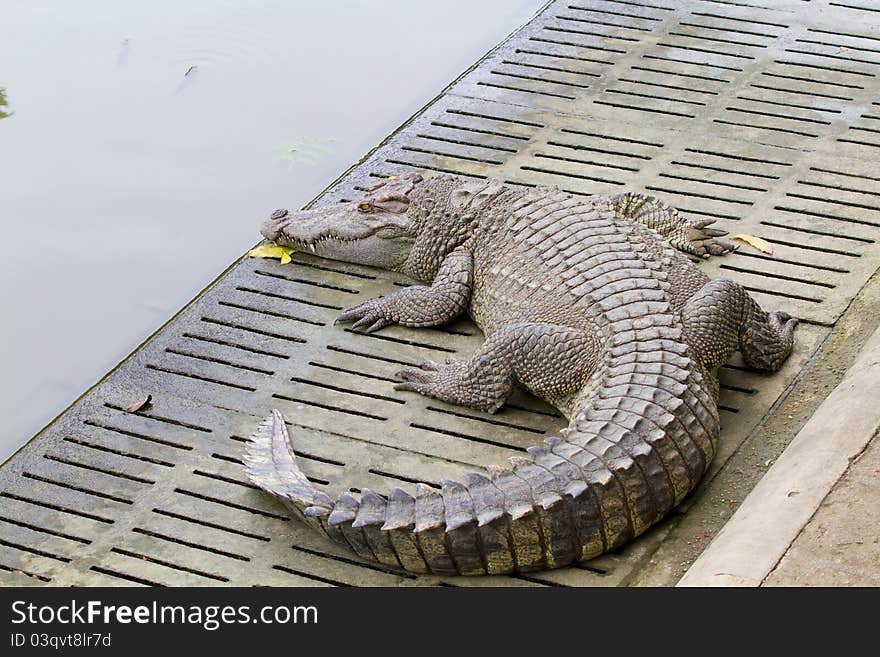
[[763, 117]]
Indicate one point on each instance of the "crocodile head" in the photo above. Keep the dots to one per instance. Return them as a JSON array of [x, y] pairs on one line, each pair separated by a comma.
[[375, 231]]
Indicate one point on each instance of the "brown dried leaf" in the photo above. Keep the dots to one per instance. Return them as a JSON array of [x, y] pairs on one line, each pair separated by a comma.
[[138, 405], [755, 242]]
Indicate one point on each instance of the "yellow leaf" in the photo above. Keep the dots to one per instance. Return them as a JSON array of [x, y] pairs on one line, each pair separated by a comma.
[[762, 245], [272, 251]]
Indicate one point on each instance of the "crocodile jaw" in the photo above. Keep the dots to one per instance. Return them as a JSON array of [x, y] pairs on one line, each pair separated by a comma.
[[343, 232]]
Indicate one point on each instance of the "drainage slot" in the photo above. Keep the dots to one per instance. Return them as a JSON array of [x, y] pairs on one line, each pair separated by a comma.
[[368, 564], [125, 576], [189, 375], [834, 69], [9, 569], [490, 117], [538, 79], [590, 162], [486, 420], [329, 407], [603, 24], [250, 329], [101, 448], [510, 88], [571, 175], [712, 182], [196, 546], [429, 167], [404, 478], [231, 505], [346, 391], [765, 127], [800, 263], [496, 133], [639, 108], [161, 418], [602, 35], [385, 359], [752, 21], [778, 104], [169, 564], [813, 231], [412, 343], [783, 277], [79, 489], [663, 58], [462, 142], [728, 29], [237, 482], [286, 297], [777, 116], [811, 80], [679, 192], [270, 313], [41, 553], [654, 97], [812, 94], [716, 39], [787, 295], [354, 372], [545, 67], [231, 345], [211, 525], [863, 206], [317, 578], [741, 172], [45, 530], [669, 86], [56, 507], [457, 434], [219, 361], [692, 76], [605, 151], [95, 468], [134, 434], [556, 56]]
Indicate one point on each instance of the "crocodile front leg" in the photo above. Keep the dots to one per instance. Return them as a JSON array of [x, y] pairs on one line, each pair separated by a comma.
[[550, 360], [419, 305]]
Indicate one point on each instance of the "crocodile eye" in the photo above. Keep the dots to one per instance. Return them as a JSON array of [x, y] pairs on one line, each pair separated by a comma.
[[365, 207]]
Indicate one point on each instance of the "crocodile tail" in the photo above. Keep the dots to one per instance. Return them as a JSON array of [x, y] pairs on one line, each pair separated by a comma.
[[270, 463], [521, 517], [568, 500]]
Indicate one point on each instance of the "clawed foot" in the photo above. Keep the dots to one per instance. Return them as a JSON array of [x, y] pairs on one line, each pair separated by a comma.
[[449, 382], [702, 241], [422, 379], [371, 315], [782, 322]]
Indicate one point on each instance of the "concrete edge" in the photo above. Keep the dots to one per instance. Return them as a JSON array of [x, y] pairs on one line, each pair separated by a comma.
[[758, 535]]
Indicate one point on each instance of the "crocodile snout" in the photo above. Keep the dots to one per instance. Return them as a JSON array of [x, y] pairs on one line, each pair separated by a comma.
[[273, 226]]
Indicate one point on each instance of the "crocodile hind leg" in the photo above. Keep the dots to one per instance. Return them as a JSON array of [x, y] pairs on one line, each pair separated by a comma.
[[550, 360], [722, 317], [687, 235]]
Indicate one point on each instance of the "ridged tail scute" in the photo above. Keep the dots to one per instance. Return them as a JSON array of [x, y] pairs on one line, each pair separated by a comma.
[[570, 500], [270, 464]]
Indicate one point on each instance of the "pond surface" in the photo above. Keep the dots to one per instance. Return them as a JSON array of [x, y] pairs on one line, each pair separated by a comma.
[[146, 141]]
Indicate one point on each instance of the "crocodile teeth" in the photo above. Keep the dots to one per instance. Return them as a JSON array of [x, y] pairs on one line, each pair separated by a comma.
[[312, 247]]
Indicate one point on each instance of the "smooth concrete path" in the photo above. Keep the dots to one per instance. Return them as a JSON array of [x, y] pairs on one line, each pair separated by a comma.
[[814, 519]]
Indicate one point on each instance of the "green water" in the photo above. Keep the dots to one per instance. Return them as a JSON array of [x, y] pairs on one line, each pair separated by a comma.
[[141, 143]]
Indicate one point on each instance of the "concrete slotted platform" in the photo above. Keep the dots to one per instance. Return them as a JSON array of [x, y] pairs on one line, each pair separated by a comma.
[[764, 117]]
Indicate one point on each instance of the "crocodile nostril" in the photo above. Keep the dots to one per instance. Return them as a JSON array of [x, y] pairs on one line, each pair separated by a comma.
[[279, 214]]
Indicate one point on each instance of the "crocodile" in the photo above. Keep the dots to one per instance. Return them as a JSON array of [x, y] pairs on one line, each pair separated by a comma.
[[592, 304]]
